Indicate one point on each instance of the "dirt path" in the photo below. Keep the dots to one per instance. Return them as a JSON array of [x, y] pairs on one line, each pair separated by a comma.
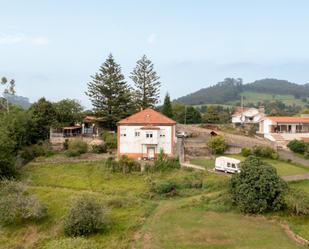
[[285, 154], [297, 177], [144, 237]]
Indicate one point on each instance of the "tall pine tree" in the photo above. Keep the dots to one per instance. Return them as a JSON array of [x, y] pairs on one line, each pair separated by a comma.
[[147, 84], [110, 94], [167, 109]]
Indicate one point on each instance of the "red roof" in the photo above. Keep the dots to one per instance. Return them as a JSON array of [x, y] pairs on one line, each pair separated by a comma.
[[90, 119], [150, 127], [147, 117], [289, 119]]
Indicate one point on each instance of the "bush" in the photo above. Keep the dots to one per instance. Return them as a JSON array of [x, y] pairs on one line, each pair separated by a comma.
[[265, 151], [167, 188], [99, 148], [86, 216], [110, 140], [164, 163], [42, 149], [128, 165], [78, 145], [217, 145], [297, 146], [246, 152], [193, 180], [72, 153], [257, 188], [66, 144], [7, 169], [72, 243], [297, 202], [17, 205]]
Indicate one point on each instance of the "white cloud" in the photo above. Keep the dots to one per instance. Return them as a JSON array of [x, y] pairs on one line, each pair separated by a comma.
[[151, 38], [21, 38]]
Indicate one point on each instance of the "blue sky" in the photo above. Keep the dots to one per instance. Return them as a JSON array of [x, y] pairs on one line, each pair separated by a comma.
[[52, 47]]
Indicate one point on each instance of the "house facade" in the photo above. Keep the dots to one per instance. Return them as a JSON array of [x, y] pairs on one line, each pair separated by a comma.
[[244, 116], [284, 128], [145, 133]]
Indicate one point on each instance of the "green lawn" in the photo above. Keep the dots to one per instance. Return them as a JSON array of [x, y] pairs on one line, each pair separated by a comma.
[[182, 225], [141, 222], [253, 97], [283, 168]]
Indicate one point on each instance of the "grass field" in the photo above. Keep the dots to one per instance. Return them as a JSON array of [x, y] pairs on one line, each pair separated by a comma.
[[253, 97], [184, 221], [283, 168]]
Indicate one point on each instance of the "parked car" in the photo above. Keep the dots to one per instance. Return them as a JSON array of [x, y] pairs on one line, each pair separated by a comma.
[[182, 134], [227, 164]]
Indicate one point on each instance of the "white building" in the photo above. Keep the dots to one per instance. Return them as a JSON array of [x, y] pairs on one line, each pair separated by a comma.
[[247, 116], [145, 133], [284, 128]]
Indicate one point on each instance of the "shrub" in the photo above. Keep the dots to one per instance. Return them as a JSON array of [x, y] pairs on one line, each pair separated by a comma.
[[257, 188], [246, 152], [164, 163], [265, 151], [193, 180], [78, 145], [110, 140], [7, 169], [66, 144], [72, 243], [297, 146], [72, 153], [112, 164], [297, 202], [99, 148], [217, 145], [128, 165], [42, 149], [86, 216], [17, 205], [168, 188]]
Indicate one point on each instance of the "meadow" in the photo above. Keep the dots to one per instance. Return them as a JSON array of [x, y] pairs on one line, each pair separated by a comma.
[[194, 218]]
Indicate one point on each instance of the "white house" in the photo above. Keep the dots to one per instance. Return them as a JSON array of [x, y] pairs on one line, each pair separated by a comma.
[[284, 128], [145, 133], [247, 115]]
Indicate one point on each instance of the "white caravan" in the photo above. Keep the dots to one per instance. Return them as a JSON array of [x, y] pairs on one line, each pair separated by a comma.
[[227, 164]]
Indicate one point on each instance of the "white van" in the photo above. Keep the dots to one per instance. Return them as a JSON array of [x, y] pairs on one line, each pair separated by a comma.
[[227, 164]]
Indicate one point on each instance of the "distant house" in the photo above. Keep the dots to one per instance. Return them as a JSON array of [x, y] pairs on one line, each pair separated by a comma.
[[284, 128], [87, 131], [145, 133], [244, 116]]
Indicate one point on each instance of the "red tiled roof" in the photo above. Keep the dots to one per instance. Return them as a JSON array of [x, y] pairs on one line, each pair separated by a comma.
[[289, 119], [147, 117], [89, 119], [150, 127]]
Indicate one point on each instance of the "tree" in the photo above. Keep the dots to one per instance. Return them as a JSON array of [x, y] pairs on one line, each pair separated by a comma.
[[68, 111], [43, 116], [8, 90], [147, 84], [257, 188], [110, 94], [167, 109], [217, 145]]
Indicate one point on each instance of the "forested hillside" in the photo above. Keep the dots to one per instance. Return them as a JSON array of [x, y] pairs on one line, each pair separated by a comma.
[[231, 89]]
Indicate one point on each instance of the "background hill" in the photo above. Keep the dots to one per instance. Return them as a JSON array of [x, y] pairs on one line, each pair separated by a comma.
[[230, 91]]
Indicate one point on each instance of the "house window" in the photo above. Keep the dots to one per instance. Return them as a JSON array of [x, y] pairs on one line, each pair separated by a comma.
[[233, 165], [123, 135], [137, 133], [229, 164], [162, 135], [149, 135]]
